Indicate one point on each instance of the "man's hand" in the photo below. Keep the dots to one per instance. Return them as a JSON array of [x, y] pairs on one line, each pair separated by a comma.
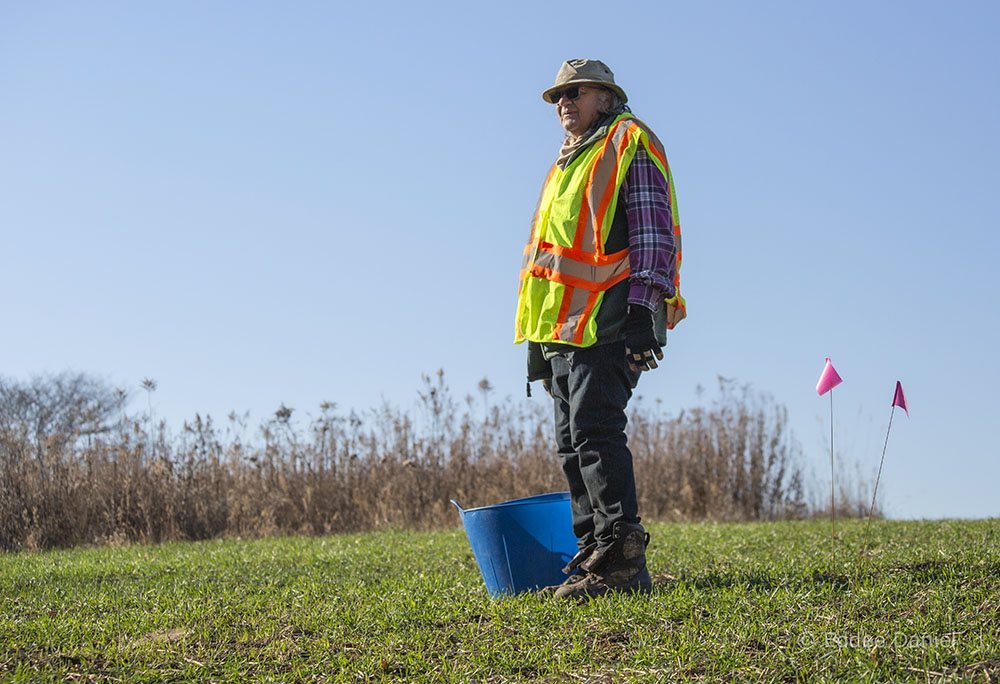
[[547, 385], [641, 348]]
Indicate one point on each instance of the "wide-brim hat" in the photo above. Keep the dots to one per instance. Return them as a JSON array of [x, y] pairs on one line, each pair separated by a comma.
[[584, 71]]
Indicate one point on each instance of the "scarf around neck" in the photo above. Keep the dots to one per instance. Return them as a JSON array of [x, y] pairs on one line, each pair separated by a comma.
[[570, 150]]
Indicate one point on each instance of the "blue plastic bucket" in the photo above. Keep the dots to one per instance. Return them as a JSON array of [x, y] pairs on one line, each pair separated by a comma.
[[521, 545]]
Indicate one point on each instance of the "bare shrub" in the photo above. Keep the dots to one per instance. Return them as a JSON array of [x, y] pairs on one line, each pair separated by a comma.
[[54, 412], [105, 479]]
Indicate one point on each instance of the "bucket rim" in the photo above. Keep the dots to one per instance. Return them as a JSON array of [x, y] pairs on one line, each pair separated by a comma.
[[535, 500]]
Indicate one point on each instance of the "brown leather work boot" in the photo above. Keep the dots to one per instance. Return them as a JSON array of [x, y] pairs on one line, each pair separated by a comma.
[[571, 568], [620, 567]]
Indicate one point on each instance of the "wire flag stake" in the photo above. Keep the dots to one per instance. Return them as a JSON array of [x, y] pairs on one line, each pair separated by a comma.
[[829, 379], [898, 399]]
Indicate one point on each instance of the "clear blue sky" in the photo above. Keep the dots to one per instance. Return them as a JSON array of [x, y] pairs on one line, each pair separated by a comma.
[[259, 202]]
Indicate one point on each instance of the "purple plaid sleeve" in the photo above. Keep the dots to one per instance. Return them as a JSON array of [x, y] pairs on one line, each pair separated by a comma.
[[652, 259]]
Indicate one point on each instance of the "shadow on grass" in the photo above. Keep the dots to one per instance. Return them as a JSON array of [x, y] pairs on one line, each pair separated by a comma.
[[931, 571]]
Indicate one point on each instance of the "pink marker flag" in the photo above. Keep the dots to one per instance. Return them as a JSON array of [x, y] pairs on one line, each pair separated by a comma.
[[899, 399], [828, 379]]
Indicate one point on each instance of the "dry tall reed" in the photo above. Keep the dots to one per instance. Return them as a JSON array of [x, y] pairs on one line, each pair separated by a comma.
[[349, 471]]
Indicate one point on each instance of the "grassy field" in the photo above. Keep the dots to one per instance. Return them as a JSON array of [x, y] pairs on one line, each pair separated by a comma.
[[732, 602]]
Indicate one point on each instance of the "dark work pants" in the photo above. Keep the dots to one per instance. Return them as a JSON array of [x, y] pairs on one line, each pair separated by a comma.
[[591, 387]]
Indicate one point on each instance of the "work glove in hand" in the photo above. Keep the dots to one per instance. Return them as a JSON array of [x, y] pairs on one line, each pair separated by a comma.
[[641, 348]]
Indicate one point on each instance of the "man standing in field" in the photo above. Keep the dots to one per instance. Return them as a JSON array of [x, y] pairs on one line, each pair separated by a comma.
[[598, 290]]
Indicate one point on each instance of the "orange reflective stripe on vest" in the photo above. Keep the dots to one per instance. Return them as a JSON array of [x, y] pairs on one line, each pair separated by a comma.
[[562, 265]]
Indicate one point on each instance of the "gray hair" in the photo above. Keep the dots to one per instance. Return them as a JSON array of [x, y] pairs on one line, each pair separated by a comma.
[[611, 103]]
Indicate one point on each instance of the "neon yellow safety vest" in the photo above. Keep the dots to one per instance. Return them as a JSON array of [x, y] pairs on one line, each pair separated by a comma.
[[565, 270]]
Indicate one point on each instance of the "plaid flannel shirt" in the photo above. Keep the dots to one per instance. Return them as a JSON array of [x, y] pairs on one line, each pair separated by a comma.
[[651, 253]]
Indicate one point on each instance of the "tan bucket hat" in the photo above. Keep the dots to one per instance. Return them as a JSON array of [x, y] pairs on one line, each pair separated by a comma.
[[584, 71]]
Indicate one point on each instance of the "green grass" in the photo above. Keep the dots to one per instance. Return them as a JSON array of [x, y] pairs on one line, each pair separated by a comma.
[[747, 602]]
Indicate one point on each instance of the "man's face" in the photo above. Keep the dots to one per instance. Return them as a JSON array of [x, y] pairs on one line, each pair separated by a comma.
[[577, 114]]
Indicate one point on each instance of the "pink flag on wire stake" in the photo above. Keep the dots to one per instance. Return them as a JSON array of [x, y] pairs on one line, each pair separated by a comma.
[[899, 399], [828, 379]]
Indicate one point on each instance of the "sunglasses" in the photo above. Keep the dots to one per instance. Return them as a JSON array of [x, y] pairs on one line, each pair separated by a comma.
[[570, 94]]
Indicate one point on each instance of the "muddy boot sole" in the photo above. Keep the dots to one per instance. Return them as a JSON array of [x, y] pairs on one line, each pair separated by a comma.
[[569, 581], [595, 586]]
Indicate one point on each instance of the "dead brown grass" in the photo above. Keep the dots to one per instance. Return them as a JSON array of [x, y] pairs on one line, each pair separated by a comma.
[[347, 471]]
